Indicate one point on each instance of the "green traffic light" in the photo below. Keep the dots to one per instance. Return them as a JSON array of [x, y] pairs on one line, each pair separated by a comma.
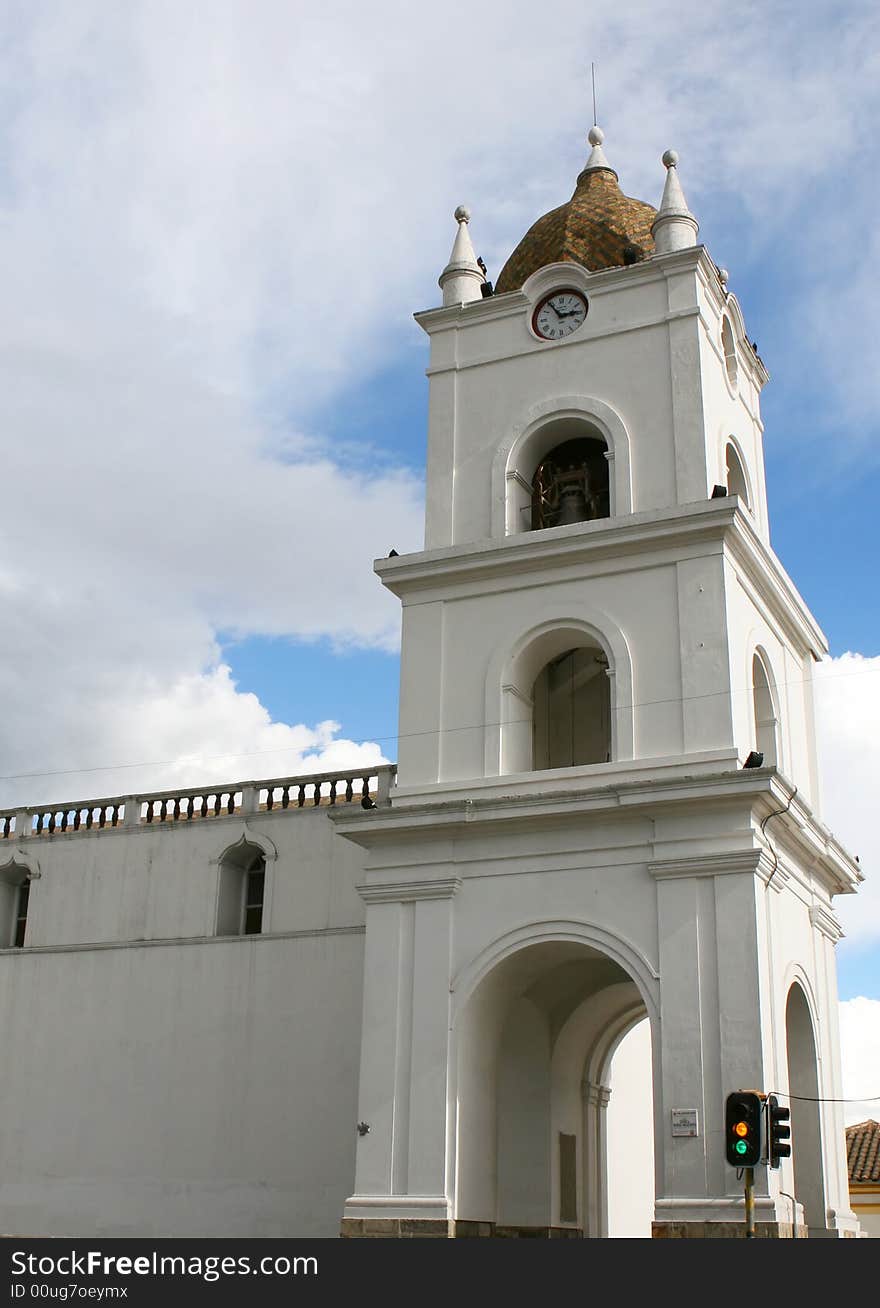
[[741, 1147]]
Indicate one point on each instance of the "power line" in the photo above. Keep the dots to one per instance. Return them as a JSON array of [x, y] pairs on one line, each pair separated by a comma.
[[372, 738], [821, 1099]]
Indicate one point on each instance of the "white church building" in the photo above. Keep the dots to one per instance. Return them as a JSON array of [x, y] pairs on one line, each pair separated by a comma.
[[389, 1004]]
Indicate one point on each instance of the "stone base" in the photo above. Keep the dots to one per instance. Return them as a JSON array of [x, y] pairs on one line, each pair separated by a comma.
[[464, 1229], [395, 1228], [410, 1228], [723, 1231]]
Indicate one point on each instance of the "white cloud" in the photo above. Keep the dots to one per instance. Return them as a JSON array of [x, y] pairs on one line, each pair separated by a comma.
[[198, 729], [860, 1057], [209, 227], [847, 700]]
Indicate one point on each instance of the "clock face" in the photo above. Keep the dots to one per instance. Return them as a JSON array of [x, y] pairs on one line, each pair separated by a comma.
[[559, 315]]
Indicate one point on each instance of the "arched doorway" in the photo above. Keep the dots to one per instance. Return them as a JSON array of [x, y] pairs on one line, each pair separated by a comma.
[[766, 717], [806, 1126], [534, 1050], [631, 1136]]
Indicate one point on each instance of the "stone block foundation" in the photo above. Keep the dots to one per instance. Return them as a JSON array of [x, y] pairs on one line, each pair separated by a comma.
[[409, 1228], [723, 1231]]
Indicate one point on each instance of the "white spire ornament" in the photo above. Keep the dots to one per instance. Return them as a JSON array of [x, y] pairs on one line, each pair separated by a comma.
[[462, 278], [675, 227], [597, 159]]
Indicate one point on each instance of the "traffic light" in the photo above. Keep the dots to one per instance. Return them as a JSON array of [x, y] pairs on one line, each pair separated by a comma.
[[742, 1128], [778, 1133]]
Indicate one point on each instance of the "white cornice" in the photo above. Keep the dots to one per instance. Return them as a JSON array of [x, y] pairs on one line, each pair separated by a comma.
[[738, 861], [764, 790], [529, 552], [614, 540], [775, 586], [824, 921], [393, 892], [600, 282]]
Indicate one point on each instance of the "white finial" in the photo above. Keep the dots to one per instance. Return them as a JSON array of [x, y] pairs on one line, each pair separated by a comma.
[[675, 227], [723, 277], [462, 278], [597, 155]]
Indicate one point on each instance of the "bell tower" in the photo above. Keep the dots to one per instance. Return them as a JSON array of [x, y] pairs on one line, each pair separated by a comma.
[[605, 700]]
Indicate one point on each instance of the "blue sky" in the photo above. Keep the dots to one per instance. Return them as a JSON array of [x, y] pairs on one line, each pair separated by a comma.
[[213, 236]]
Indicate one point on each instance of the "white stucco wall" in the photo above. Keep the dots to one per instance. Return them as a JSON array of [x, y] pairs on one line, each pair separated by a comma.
[[159, 1080]]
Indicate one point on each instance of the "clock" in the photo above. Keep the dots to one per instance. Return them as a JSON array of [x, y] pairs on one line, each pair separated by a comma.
[[559, 314]]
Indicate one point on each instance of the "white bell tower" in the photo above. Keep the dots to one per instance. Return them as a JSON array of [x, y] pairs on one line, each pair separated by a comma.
[[598, 646]]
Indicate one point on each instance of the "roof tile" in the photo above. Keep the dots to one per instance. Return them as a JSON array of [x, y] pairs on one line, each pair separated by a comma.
[[599, 227], [863, 1151]]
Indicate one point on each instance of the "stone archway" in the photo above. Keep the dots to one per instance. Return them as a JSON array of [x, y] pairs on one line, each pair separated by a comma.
[[806, 1126], [534, 1047]]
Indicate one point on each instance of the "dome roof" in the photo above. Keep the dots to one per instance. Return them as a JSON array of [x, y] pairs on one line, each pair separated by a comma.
[[599, 227]]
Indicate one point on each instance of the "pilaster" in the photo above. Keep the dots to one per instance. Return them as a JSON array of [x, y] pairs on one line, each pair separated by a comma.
[[401, 1167]]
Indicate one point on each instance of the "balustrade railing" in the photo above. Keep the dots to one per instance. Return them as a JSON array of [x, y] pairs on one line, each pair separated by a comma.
[[370, 787]]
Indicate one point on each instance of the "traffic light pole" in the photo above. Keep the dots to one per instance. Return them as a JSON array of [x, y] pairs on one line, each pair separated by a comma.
[[743, 1113], [750, 1203]]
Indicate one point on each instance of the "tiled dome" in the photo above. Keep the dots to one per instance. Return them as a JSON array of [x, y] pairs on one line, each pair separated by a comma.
[[599, 227]]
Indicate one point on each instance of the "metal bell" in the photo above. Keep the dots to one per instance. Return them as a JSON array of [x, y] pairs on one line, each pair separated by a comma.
[[572, 506]]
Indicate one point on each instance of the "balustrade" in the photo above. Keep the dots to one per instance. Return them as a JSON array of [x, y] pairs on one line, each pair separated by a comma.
[[207, 803]]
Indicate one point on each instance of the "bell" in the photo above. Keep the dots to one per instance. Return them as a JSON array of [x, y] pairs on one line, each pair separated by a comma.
[[572, 506]]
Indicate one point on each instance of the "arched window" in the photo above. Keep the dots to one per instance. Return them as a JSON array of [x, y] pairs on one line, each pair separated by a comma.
[[572, 710], [736, 476], [15, 890], [242, 887], [728, 345], [766, 722], [565, 698], [570, 484]]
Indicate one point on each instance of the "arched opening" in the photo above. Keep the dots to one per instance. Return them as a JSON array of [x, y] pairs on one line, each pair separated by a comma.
[[806, 1128], [728, 345], [570, 484], [631, 1136], [241, 891], [572, 710], [736, 476], [536, 1044], [559, 474], [766, 721], [557, 708]]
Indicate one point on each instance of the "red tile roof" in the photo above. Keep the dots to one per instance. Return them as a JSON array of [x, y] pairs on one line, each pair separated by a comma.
[[863, 1151]]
